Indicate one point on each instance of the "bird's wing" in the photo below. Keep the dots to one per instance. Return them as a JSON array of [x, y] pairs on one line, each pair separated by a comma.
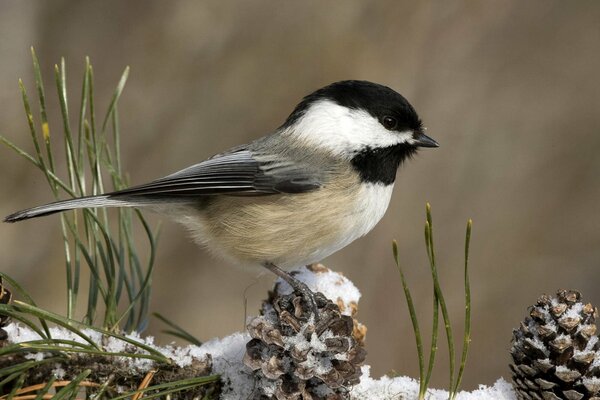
[[235, 173]]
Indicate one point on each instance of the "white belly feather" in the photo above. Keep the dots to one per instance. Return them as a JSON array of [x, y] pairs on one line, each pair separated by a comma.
[[289, 230], [370, 206]]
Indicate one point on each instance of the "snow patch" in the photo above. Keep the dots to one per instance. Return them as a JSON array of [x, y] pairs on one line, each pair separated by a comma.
[[227, 358], [227, 353], [402, 387], [333, 285]]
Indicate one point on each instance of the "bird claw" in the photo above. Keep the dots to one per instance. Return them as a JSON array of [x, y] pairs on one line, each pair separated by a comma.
[[298, 286]]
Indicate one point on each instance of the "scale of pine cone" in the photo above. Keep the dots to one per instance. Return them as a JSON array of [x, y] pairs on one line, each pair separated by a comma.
[[556, 350], [297, 356]]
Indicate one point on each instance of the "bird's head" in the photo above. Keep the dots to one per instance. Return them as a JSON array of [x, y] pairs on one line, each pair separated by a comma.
[[350, 117], [370, 125]]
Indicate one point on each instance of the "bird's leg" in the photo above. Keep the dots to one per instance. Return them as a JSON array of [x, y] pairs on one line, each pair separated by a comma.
[[298, 286]]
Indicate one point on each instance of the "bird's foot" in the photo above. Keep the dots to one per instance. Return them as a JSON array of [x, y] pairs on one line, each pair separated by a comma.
[[298, 286]]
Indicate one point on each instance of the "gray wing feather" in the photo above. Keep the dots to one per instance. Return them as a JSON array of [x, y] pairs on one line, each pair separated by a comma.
[[235, 173], [238, 172]]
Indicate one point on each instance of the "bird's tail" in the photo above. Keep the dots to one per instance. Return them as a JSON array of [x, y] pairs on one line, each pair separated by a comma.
[[64, 205]]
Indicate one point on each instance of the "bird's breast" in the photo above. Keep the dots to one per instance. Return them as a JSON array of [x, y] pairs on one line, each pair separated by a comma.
[[289, 229]]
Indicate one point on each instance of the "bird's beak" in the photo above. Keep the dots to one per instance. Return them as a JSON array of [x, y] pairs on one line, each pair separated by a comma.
[[422, 140]]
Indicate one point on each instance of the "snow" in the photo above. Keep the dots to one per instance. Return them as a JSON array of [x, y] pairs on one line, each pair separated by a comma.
[[591, 383], [227, 353], [402, 387], [595, 363], [574, 311], [592, 343], [333, 285], [537, 343]]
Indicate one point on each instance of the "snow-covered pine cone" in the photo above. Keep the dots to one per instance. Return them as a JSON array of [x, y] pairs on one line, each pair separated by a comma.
[[556, 350], [295, 356], [5, 297]]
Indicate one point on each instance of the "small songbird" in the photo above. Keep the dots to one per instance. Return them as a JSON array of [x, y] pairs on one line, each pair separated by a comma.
[[318, 182]]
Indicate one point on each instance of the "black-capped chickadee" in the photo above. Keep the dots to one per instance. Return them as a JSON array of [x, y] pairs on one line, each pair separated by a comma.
[[323, 179]]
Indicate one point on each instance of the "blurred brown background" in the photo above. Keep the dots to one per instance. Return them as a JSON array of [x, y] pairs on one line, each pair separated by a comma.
[[510, 89]]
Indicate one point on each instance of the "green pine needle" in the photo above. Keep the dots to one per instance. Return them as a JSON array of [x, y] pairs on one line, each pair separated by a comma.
[[415, 323], [112, 259], [120, 276], [467, 331], [439, 304], [177, 330]]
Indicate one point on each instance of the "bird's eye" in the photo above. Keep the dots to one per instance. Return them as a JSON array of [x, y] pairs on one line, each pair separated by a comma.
[[390, 123]]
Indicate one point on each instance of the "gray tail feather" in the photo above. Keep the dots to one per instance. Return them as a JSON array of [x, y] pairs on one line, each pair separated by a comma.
[[64, 205]]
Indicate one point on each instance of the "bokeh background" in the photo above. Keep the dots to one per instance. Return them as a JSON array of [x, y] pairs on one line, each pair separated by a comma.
[[510, 89]]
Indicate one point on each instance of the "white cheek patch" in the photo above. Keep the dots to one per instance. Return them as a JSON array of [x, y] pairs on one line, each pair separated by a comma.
[[344, 131]]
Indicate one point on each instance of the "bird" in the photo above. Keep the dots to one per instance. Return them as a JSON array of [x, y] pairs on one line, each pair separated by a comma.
[[321, 180]]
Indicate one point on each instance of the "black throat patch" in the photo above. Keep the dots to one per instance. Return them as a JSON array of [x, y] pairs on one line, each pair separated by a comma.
[[380, 165]]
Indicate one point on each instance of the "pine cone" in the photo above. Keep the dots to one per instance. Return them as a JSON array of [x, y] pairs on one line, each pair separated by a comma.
[[556, 350], [294, 356], [5, 297], [323, 280]]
